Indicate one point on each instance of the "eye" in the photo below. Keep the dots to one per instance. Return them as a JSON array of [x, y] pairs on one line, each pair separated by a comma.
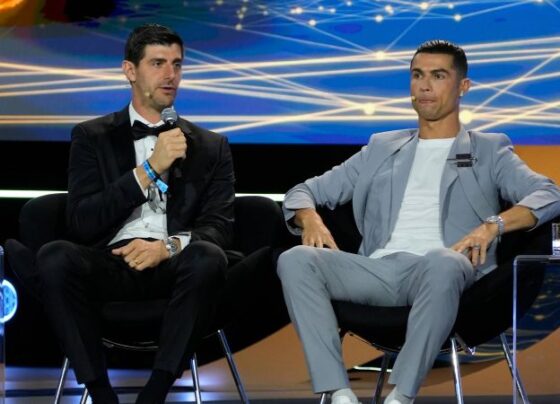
[[178, 66], [439, 76]]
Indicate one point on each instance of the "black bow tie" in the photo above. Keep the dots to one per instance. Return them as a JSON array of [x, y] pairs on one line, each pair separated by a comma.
[[141, 130]]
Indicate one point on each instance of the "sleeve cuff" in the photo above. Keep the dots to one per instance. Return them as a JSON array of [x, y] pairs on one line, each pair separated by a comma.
[[185, 239]]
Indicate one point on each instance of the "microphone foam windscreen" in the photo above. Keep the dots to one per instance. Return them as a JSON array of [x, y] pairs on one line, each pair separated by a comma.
[[169, 115]]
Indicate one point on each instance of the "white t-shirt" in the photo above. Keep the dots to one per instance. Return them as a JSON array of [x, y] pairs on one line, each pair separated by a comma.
[[418, 227]]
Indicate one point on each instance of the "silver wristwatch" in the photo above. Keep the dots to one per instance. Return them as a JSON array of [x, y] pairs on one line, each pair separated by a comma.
[[496, 219], [171, 246]]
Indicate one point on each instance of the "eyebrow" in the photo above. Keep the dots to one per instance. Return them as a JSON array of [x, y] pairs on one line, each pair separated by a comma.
[[417, 70], [165, 60]]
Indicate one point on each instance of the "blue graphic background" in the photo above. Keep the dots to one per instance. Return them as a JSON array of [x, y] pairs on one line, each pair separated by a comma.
[[309, 71]]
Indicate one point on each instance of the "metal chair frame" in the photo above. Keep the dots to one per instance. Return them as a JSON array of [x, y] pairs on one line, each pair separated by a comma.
[[457, 344], [151, 347]]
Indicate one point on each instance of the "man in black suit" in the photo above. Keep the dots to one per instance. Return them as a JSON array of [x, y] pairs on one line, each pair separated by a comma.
[[150, 208]]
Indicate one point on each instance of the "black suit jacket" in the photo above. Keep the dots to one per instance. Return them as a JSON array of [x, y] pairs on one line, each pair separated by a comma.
[[102, 190]]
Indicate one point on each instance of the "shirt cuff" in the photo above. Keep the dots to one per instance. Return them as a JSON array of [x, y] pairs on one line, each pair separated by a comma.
[[185, 239], [144, 191]]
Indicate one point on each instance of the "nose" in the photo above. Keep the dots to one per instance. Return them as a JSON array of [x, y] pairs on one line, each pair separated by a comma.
[[170, 72], [425, 85]]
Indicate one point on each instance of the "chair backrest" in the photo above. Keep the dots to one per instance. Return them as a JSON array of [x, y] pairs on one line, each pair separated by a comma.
[[258, 222], [43, 219]]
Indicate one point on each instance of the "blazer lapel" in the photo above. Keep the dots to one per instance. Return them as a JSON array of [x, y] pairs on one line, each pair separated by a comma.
[[473, 192], [403, 158], [179, 171], [182, 166], [379, 156], [122, 143]]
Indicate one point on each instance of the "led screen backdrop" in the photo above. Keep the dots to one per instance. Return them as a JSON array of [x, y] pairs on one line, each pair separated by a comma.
[[305, 71]]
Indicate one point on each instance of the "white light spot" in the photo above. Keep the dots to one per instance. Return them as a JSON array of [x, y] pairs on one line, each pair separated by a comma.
[[239, 27], [312, 22], [369, 108], [424, 5], [380, 55], [466, 116], [457, 17]]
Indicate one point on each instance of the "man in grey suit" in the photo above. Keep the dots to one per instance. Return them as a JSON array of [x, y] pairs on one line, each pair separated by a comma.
[[426, 202]]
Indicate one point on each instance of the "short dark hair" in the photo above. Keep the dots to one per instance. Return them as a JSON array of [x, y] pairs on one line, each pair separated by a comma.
[[440, 46], [149, 34]]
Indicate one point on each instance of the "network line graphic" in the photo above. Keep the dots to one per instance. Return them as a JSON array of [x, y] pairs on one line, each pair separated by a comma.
[[308, 71]]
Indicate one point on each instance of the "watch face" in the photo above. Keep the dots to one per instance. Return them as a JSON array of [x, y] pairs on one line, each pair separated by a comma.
[[171, 247]]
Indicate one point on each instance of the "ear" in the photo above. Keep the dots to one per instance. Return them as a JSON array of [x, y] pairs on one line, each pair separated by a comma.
[[464, 86], [129, 70]]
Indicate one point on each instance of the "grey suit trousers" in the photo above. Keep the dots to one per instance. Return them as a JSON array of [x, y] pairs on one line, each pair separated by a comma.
[[431, 284]]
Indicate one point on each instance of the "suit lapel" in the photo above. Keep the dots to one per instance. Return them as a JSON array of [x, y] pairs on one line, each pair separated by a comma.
[[122, 143], [379, 156], [404, 156], [467, 178], [179, 171]]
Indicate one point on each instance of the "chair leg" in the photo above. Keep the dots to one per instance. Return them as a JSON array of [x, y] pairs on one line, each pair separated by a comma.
[[85, 396], [233, 367], [323, 398], [456, 371], [381, 378], [61, 380], [196, 384], [518, 383]]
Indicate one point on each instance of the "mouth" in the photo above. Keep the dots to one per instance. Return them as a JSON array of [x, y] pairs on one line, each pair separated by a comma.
[[169, 89]]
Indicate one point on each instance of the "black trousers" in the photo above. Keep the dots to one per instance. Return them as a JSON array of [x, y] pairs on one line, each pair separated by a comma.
[[77, 280]]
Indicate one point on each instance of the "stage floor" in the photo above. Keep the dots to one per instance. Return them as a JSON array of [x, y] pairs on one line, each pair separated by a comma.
[[37, 385]]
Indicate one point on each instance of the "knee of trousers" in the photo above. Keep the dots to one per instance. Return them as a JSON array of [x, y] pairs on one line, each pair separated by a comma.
[[56, 261], [294, 264], [448, 267], [203, 261]]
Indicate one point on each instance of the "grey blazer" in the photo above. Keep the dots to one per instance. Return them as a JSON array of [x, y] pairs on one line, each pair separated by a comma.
[[375, 179]]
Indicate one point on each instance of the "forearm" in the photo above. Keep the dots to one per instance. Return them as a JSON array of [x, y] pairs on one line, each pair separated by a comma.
[[95, 203], [142, 176], [518, 218], [93, 211]]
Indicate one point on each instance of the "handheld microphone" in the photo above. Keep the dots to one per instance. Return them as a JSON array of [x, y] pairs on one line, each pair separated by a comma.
[[169, 116]]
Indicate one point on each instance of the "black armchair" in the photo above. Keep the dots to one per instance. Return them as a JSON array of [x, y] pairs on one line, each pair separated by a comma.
[[130, 325], [485, 309]]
